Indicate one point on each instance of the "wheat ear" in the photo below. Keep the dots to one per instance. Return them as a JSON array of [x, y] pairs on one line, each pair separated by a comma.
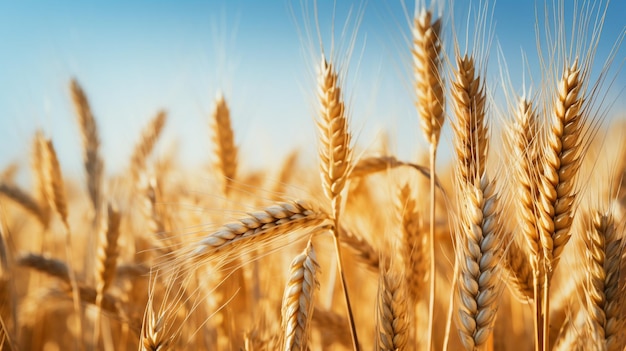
[[23, 199], [143, 149], [604, 293], [392, 318], [263, 226], [479, 275], [225, 149], [55, 192], [108, 250], [366, 253], [469, 100], [335, 160], [427, 69], [91, 143], [560, 162], [50, 266], [297, 309], [39, 182]]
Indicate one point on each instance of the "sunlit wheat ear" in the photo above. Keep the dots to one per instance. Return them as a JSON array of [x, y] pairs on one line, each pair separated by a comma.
[[468, 97], [149, 136], [297, 309], [297, 219], [108, 250], [427, 72], [605, 292], [392, 317], [479, 281], [225, 150], [91, 143], [335, 150], [523, 141], [559, 164], [414, 239]]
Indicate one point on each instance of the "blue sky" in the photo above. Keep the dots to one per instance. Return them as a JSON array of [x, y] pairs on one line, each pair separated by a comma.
[[136, 57]]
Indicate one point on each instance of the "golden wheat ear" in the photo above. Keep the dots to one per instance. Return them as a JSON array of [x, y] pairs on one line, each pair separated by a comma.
[[335, 153], [91, 143], [297, 310], [225, 150], [427, 68], [392, 317]]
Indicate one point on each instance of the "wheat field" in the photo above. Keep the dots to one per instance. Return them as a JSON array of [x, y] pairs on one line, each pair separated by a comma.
[[518, 243]]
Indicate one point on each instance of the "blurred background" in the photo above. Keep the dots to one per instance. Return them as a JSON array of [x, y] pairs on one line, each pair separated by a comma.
[[135, 57]]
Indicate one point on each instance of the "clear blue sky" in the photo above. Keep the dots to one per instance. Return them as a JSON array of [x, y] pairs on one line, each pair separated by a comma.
[[134, 57]]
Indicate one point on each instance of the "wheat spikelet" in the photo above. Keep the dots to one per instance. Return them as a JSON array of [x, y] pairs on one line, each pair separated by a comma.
[[272, 221], [392, 316], [55, 191], [469, 97], [427, 67], [479, 274], [108, 250], [335, 149], [224, 142], [91, 143], [143, 149], [297, 308]]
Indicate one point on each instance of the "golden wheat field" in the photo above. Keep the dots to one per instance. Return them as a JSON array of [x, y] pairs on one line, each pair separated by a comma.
[[516, 243]]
